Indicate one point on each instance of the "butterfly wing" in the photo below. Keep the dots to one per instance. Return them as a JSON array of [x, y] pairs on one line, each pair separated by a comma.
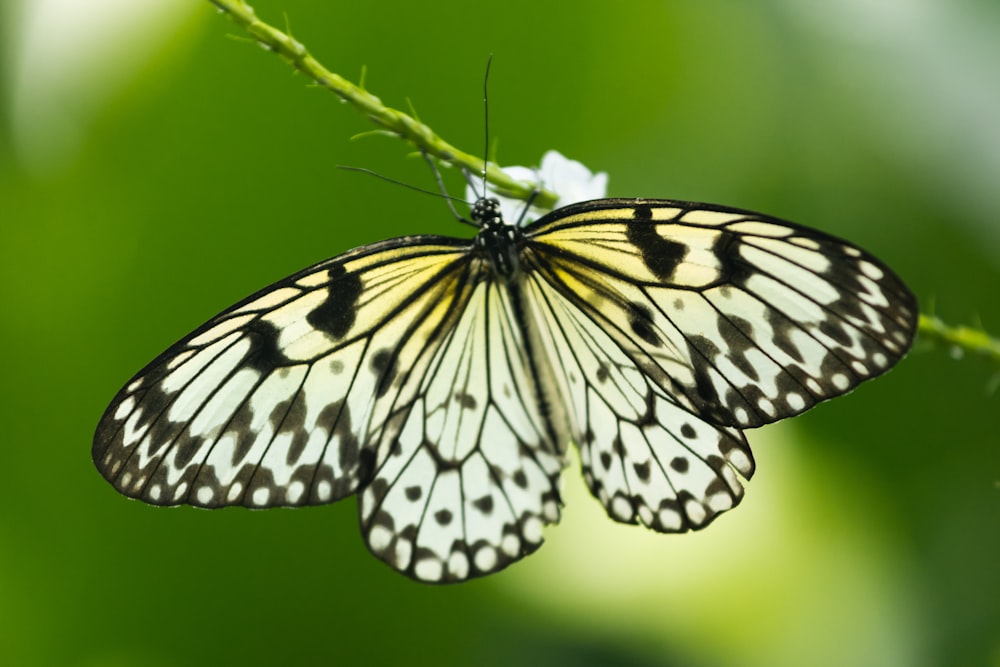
[[394, 370], [646, 457], [273, 402], [474, 475], [682, 323], [748, 319]]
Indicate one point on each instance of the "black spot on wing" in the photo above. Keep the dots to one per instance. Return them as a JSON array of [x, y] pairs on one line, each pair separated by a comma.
[[335, 418], [603, 372], [661, 256], [734, 269], [783, 330], [153, 402], [737, 333], [617, 447], [264, 355], [295, 423], [703, 354], [241, 426], [365, 463], [641, 320], [465, 400], [185, 447], [484, 504], [836, 331], [336, 314], [384, 364]]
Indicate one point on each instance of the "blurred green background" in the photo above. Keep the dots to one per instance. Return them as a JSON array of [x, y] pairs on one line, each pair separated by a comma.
[[153, 170]]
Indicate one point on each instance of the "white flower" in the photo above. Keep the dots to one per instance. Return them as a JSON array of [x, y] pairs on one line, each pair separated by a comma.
[[569, 179]]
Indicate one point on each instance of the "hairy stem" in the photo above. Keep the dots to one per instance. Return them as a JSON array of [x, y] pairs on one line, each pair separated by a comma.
[[965, 339], [401, 124]]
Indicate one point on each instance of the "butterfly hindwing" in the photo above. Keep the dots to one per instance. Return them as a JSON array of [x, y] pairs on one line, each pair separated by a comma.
[[472, 475]]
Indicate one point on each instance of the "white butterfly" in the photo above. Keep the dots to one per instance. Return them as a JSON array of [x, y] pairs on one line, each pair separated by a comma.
[[441, 380]]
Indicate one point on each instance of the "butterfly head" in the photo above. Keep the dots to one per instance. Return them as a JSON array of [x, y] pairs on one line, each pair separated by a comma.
[[496, 239], [486, 212]]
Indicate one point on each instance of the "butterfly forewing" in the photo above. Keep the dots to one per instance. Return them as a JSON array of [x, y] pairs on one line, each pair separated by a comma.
[[273, 401], [742, 318]]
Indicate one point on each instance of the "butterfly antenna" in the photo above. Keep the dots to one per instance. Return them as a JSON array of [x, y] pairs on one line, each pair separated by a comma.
[[486, 120], [448, 199], [443, 193]]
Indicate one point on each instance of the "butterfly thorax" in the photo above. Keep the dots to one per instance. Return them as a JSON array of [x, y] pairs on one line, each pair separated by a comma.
[[496, 238]]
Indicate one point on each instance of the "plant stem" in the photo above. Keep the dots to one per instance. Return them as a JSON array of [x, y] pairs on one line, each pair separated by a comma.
[[401, 124], [963, 339]]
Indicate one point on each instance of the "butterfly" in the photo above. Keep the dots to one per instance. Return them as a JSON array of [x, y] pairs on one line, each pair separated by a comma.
[[441, 380]]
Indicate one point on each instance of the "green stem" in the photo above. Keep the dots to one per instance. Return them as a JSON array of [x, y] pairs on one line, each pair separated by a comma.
[[965, 339], [393, 120]]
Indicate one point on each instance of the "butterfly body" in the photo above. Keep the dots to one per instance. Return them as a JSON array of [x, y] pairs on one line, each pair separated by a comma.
[[441, 380]]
